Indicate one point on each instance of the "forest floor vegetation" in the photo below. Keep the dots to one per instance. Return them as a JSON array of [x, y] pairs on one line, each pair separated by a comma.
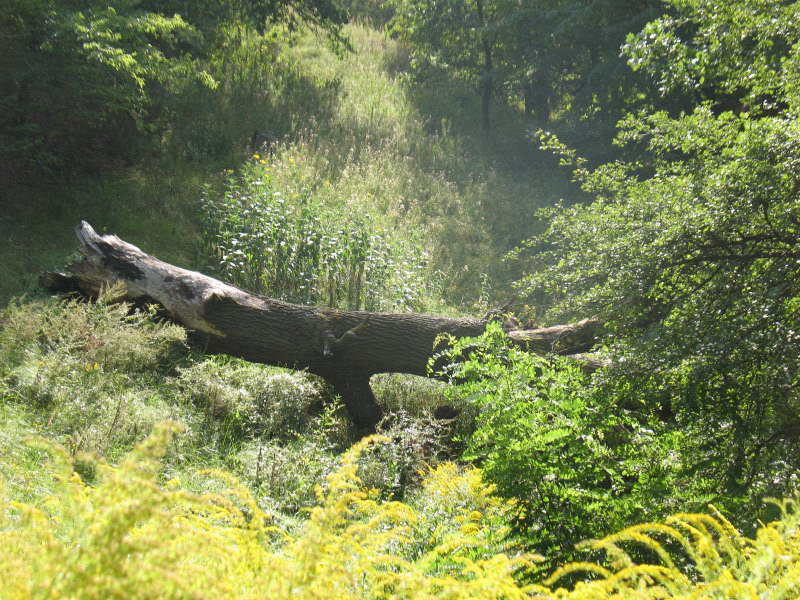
[[134, 465]]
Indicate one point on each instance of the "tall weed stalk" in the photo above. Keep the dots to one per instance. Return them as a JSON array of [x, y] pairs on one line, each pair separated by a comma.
[[272, 235]]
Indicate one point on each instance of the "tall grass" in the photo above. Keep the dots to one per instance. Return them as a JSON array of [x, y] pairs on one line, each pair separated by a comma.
[[416, 157], [353, 131], [377, 148], [271, 234]]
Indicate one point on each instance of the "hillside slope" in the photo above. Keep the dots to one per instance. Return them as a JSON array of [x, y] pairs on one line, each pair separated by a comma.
[[356, 135]]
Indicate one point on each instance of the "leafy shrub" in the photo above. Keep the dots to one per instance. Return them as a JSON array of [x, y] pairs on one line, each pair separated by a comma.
[[108, 60], [573, 460], [108, 334], [250, 400], [126, 73]]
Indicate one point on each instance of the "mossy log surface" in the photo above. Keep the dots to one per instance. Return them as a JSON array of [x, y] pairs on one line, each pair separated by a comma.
[[344, 347]]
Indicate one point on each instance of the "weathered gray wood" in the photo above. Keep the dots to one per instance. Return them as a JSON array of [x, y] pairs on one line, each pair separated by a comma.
[[560, 339], [344, 347]]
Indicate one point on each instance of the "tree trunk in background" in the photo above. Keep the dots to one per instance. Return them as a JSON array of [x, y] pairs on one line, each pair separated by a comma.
[[487, 79], [486, 102], [344, 347], [540, 98]]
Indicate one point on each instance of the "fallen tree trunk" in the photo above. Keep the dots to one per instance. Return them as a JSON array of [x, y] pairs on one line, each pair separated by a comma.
[[345, 348]]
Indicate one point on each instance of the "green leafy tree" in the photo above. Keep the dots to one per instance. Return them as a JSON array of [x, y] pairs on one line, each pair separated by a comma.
[[563, 56], [78, 77], [459, 38], [577, 465], [692, 254], [558, 58], [83, 82]]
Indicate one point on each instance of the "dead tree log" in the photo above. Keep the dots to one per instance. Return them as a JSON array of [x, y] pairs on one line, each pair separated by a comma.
[[345, 348]]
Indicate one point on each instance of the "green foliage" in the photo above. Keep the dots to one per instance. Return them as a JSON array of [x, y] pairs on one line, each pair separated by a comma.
[[348, 127], [138, 539], [417, 396], [452, 500], [277, 240], [250, 400], [690, 254], [552, 60], [734, 53], [458, 38], [90, 85], [405, 154], [132, 536], [376, 12], [326, 15], [96, 377], [21, 464], [571, 459], [446, 35], [79, 80], [695, 556], [365, 193], [91, 371], [413, 445], [286, 475]]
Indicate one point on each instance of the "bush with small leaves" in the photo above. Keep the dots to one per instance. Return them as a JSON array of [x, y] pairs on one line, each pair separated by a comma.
[[250, 400]]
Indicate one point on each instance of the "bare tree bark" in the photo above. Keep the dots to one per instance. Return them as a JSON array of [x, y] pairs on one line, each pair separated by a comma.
[[344, 347], [487, 77]]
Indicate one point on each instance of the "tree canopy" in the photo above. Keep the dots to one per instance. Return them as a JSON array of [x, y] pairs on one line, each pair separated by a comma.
[[83, 81], [553, 58], [691, 253]]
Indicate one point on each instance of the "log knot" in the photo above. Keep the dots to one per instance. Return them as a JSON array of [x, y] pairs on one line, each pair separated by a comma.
[[332, 344], [120, 263]]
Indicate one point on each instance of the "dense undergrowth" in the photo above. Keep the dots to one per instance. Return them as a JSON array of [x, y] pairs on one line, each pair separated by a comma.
[[131, 535], [338, 178], [98, 377], [253, 495]]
